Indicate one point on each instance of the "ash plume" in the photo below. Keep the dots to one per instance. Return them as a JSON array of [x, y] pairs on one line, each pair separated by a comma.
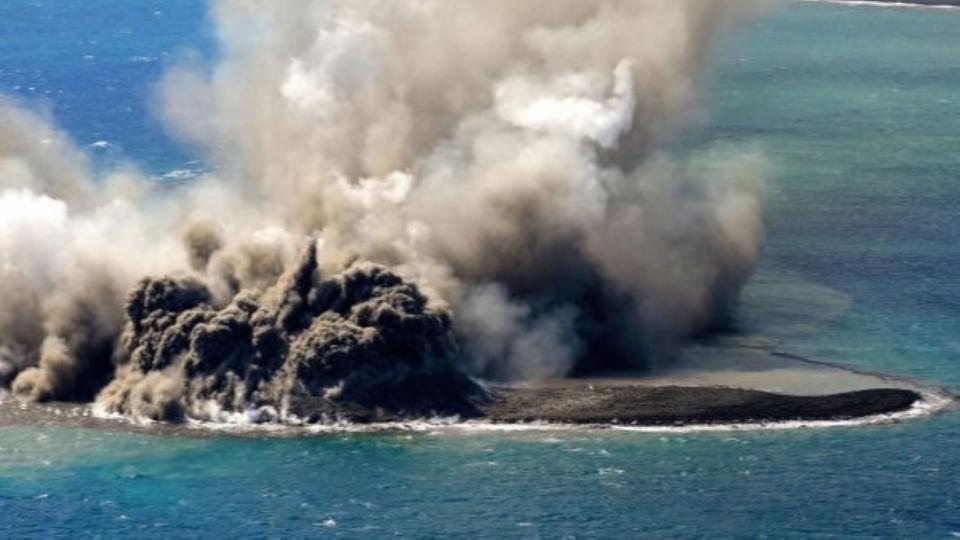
[[403, 193]]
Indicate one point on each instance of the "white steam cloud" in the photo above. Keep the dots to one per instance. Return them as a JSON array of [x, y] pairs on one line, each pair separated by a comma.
[[502, 155]]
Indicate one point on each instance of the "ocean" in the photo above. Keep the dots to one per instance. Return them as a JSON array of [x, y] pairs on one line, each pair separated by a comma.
[[855, 107]]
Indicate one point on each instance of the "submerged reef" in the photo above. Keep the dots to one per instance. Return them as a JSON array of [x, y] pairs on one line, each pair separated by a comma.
[[359, 345]]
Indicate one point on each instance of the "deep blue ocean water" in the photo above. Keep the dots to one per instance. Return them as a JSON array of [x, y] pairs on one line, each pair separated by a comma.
[[858, 109]]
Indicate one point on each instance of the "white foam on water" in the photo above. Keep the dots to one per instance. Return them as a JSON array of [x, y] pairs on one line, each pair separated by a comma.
[[98, 411], [873, 3], [181, 175], [210, 417], [931, 403]]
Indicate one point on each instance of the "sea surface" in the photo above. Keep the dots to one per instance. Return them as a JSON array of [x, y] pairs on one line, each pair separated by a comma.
[[858, 110]]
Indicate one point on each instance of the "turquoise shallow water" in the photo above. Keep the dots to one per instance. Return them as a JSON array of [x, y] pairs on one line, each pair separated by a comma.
[[873, 481], [857, 109]]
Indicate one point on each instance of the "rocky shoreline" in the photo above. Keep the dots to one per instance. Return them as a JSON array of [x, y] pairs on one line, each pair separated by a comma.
[[588, 404], [677, 405]]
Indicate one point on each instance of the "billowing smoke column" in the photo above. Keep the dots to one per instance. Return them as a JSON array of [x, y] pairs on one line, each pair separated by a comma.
[[319, 348], [404, 192]]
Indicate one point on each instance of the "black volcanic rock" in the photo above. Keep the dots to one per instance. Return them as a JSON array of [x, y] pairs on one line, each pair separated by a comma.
[[672, 405], [360, 345]]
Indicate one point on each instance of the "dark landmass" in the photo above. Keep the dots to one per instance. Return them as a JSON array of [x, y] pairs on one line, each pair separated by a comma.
[[677, 405], [582, 405]]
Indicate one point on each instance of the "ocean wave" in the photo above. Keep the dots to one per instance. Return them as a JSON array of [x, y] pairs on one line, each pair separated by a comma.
[[883, 4], [181, 174]]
